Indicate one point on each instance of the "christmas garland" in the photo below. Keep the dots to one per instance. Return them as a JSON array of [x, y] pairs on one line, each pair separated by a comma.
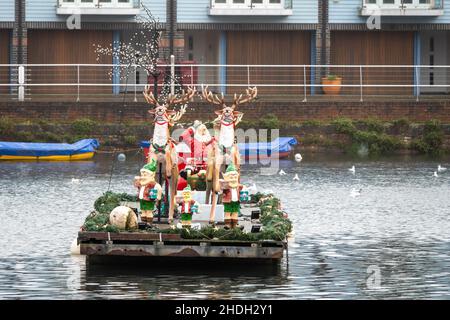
[[275, 225], [109, 200], [98, 220]]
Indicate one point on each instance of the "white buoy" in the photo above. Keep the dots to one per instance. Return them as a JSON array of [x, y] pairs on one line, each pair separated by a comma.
[[352, 169], [121, 157], [298, 157], [282, 173], [435, 174], [440, 168], [75, 248], [76, 180], [296, 178]]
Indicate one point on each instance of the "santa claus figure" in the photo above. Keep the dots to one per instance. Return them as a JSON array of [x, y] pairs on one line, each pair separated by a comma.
[[233, 194], [188, 207], [149, 191]]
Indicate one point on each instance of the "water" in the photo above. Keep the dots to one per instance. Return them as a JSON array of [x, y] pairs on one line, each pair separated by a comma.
[[392, 241]]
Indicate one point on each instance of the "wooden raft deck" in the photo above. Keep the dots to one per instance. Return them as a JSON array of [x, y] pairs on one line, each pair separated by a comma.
[[103, 246]]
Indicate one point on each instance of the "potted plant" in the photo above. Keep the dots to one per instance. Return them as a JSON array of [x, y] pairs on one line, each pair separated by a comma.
[[334, 80]]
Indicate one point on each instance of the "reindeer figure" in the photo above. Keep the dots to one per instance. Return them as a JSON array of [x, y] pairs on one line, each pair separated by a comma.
[[162, 147], [225, 149]]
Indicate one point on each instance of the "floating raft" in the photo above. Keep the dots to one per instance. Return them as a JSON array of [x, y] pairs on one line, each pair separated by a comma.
[[98, 246], [81, 150], [101, 247]]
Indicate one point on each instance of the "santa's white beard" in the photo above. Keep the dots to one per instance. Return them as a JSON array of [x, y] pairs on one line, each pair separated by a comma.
[[202, 138]]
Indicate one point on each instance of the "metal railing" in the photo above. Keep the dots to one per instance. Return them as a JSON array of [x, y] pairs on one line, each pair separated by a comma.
[[250, 4], [98, 4], [298, 82], [405, 4]]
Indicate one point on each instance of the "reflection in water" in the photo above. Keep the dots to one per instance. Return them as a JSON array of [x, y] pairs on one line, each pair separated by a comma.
[[180, 282], [398, 225]]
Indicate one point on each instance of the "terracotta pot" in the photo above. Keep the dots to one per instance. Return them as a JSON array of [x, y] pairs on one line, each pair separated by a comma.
[[332, 90]]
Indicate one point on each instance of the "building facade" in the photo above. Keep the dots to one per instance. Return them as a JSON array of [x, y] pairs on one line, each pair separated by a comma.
[[239, 32], [408, 32]]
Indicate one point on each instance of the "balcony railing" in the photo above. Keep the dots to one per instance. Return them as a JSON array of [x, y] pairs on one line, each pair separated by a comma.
[[402, 7], [98, 7], [105, 82], [250, 7]]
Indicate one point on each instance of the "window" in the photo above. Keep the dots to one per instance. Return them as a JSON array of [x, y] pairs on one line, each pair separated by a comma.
[[251, 7], [96, 7], [248, 3], [99, 3], [403, 7]]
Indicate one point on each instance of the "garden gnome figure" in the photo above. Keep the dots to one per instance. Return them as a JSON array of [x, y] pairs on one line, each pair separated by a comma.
[[188, 207], [233, 194], [149, 191]]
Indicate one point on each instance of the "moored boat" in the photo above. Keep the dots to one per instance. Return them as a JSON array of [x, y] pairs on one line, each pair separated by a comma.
[[81, 150], [279, 148]]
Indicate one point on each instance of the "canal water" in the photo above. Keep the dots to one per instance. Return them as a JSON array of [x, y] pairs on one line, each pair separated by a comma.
[[391, 241]]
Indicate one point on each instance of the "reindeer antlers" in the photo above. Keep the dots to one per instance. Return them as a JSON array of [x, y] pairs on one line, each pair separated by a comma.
[[177, 116], [171, 100], [214, 99], [251, 94], [149, 97], [184, 97]]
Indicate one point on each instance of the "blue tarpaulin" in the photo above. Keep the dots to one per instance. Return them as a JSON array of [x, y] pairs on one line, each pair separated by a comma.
[[145, 144], [279, 145], [47, 149]]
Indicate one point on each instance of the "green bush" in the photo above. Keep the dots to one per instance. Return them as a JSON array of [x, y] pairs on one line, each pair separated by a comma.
[[402, 124], [378, 143], [248, 124], [48, 137], [332, 77], [432, 126], [344, 125], [372, 124], [25, 136], [83, 127], [317, 139], [130, 140], [432, 140], [269, 121], [6, 126]]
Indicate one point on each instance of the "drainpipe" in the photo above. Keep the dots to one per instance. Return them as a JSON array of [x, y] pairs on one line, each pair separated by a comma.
[[172, 15], [20, 22], [324, 32], [417, 62]]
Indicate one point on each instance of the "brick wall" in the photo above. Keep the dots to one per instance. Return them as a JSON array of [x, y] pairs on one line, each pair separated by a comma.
[[290, 111]]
